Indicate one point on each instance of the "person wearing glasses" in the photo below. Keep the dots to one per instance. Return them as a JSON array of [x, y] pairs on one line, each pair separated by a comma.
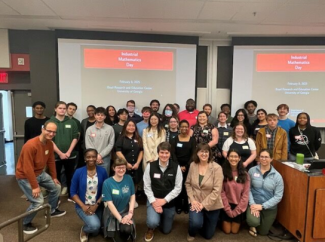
[[265, 194], [204, 186], [35, 155], [86, 192], [172, 130], [242, 118], [119, 199]]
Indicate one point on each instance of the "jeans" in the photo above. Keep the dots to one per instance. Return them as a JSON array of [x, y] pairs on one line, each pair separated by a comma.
[[44, 180], [68, 165], [92, 222], [204, 222], [106, 164], [164, 219]]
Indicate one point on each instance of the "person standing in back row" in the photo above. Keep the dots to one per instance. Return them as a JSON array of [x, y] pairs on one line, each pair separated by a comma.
[[190, 114], [100, 136], [64, 142]]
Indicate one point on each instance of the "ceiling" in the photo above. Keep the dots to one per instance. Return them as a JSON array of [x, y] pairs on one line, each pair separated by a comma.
[[208, 19]]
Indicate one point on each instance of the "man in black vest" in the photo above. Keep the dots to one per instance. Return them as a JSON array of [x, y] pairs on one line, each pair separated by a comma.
[[162, 184]]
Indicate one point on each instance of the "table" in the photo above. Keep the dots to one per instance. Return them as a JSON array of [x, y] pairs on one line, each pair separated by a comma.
[[302, 209]]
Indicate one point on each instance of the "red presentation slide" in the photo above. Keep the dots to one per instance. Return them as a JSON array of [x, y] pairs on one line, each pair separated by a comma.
[[128, 59], [290, 62]]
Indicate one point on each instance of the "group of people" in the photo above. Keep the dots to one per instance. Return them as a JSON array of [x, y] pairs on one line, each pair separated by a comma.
[[189, 161]]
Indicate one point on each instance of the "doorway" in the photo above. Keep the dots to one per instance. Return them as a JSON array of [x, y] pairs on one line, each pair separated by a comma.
[[16, 106]]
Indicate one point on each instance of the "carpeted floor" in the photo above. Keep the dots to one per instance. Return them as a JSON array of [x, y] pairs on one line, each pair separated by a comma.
[[67, 228]]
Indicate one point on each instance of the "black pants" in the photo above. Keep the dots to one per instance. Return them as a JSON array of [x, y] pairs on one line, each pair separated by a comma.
[[68, 170]]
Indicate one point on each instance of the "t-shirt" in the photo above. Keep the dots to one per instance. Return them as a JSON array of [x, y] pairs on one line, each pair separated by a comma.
[[117, 130], [118, 192], [141, 126], [33, 127], [286, 124]]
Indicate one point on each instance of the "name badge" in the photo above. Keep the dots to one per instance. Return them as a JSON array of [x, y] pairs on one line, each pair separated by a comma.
[[46, 152], [166, 126], [156, 175], [68, 126], [256, 175], [236, 178], [115, 192], [268, 136], [225, 133], [135, 141], [93, 135], [257, 129], [205, 131], [149, 135], [179, 145], [245, 147]]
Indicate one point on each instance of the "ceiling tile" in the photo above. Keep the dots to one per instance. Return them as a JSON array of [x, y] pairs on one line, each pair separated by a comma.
[[88, 8], [220, 10], [6, 10], [30, 7]]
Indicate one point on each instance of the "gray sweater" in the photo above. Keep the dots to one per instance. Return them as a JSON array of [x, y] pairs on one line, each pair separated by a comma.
[[102, 139], [266, 191]]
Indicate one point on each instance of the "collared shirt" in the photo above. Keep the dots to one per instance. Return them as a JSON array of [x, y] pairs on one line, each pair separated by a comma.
[[270, 137], [170, 196]]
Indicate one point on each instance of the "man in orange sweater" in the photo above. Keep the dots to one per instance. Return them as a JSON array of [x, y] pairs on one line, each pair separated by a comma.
[[35, 155]]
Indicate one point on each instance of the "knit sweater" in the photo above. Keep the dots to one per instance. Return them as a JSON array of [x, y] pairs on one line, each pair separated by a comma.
[[33, 158]]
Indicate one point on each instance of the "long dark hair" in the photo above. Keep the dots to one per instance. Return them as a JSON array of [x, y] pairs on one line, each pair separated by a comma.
[[257, 121], [308, 125], [235, 119], [227, 172], [159, 128], [108, 119], [135, 136], [174, 112]]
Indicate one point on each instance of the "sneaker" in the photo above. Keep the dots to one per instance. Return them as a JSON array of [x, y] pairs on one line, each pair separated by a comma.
[[64, 191], [149, 235], [83, 235], [136, 205], [71, 201], [58, 213], [190, 238], [29, 229]]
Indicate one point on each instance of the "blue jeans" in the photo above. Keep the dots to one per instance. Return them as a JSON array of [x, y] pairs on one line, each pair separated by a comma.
[[164, 219], [106, 164], [204, 222], [44, 180], [92, 222]]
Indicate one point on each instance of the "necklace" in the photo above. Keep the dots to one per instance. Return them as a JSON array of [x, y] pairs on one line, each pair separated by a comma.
[[91, 173]]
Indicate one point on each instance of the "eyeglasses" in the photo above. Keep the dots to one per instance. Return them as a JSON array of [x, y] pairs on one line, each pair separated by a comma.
[[240, 115], [50, 131], [204, 151], [120, 168], [264, 157], [233, 156]]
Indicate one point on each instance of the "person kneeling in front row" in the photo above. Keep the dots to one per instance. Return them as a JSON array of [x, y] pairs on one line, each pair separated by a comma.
[[162, 184], [265, 194]]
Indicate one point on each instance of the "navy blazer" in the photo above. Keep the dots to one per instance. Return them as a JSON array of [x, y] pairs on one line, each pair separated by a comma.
[[79, 183]]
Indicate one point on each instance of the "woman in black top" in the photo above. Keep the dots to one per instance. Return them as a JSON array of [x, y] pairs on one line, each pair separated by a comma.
[[111, 117], [304, 138], [168, 112], [182, 148], [259, 123], [242, 118], [130, 148]]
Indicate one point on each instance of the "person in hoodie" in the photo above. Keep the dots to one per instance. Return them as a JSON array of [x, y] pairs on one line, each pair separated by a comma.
[[64, 142]]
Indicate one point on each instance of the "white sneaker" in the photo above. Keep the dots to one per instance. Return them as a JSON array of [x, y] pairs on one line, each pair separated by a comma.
[[136, 205], [64, 191]]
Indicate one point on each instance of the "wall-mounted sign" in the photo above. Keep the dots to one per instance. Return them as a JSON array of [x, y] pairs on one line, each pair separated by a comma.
[[3, 77]]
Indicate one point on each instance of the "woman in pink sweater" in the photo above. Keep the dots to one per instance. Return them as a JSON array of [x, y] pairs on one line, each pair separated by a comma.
[[235, 192]]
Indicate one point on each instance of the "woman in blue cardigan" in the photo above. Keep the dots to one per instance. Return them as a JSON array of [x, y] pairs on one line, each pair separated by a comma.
[[86, 191]]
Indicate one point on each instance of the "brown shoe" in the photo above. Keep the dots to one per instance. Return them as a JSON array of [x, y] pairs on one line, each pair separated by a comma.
[[149, 235]]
